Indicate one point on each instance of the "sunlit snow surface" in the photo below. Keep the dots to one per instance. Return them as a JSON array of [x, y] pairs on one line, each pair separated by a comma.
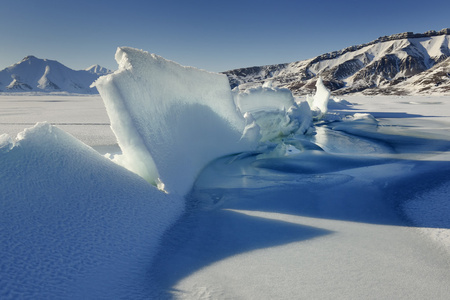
[[346, 213]]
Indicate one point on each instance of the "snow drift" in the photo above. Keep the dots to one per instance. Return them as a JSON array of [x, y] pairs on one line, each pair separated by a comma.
[[74, 224]]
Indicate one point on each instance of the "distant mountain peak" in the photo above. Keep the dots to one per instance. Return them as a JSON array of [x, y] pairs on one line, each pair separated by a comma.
[[29, 57], [97, 69], [44, 75]]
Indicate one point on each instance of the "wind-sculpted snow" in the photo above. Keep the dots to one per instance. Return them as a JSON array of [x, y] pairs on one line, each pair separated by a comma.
[[170, 120], [73, 224]]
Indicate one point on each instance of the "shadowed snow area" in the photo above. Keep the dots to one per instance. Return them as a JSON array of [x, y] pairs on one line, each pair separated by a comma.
[[265, 196], [324, 226], [74, 224]]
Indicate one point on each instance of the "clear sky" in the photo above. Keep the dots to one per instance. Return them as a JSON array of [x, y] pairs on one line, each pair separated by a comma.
[[207, 34]]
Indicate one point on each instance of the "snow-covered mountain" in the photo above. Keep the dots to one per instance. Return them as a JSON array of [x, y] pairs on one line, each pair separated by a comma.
[[398, 64], [435, 80], [43, 75], [98, 70]]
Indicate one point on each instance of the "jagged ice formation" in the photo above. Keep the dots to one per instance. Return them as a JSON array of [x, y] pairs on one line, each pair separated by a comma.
[[167, 117]]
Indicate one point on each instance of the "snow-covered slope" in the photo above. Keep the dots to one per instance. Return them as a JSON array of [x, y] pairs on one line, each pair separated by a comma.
[[43, 75], [370, 67]]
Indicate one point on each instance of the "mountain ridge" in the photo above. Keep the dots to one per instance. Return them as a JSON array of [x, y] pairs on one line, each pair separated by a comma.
[[399, 64], [369, 68], [33, 74]]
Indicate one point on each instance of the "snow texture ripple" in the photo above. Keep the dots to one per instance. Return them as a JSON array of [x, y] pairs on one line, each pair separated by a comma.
[[74, 225]]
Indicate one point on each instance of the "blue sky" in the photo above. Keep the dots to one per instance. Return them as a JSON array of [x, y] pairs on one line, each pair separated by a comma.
[[212, 35]]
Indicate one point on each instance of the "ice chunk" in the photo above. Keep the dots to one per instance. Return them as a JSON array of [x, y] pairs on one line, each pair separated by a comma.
[[252, 129], [274, 111], [74, 224], [263, 98], [319, 102], [170, 120], [301, 117]]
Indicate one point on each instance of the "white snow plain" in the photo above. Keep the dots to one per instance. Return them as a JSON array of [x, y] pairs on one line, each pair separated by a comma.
[[358, 210]]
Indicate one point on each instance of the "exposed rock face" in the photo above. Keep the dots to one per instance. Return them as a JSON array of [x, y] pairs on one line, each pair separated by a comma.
[[435, 80], [371, 68]]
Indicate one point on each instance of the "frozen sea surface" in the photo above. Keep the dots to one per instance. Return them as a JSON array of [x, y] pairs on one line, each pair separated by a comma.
[[84, 117], [359, 210], [363, 215]]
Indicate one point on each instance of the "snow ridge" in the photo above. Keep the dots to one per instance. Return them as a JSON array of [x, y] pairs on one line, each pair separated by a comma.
[[73, 221]]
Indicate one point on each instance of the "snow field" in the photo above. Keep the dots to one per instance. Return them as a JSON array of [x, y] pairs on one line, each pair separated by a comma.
[[431, 210], [84, 117], [75, 224], [264, 233], [323, 223], [316, 217]]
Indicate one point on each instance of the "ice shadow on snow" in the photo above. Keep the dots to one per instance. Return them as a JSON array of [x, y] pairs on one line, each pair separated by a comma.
[[319, 186], [211, 232], [381, 114], [203, 237], [396, 115], [396, 142]]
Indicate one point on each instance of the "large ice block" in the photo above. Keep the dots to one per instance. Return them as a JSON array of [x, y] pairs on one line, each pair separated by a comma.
[[170, 120]]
